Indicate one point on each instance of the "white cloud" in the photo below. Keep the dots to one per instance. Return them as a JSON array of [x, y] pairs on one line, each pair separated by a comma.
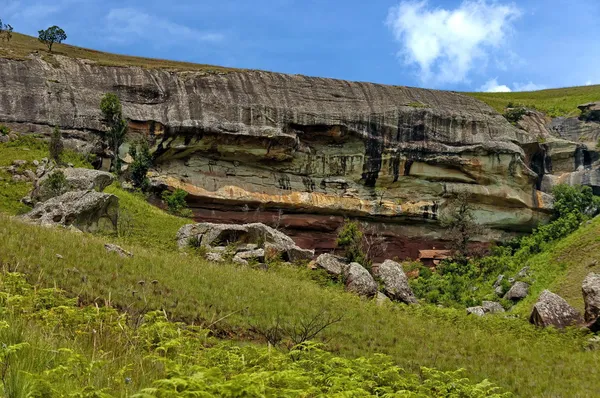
[[445, 44], [528, 86], [128, 25], [492, 86]]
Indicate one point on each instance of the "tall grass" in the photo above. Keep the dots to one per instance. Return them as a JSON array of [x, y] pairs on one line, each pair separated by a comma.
[[510, 352]]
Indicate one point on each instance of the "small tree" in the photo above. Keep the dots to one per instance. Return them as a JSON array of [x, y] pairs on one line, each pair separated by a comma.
[[142, 161], [56, 145], [56, 183], [112, 111], [460, 225], [5, 31], [350, 239], [176, 202], [52, 35]]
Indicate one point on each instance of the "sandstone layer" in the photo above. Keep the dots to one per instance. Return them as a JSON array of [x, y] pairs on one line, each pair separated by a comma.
[[301, 152]]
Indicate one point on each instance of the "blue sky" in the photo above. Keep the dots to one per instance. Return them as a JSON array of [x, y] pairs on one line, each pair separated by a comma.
[[457, 45]]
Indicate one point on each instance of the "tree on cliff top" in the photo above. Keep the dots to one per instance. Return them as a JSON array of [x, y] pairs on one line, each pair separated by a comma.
[[5, 31], [52, 35], [112, 111]]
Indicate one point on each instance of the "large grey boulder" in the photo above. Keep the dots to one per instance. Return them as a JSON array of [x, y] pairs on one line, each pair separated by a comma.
[[492, 307], [334, 265], [478, 311], [358, 280], [591, 297], [272, 241], [77, 179], [517, 292], [553, 310], [88, 211], [395, 282]]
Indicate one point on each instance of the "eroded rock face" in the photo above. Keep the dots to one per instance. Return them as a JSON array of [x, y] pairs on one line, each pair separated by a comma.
[[553, 310], [314, 148], [77, 179], [88, 211], [358, 280], [395, 282], [264, 237]]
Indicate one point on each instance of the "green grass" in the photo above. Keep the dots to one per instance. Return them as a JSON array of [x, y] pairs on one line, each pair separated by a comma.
[[21, 46], [553, 102], [509, 352]]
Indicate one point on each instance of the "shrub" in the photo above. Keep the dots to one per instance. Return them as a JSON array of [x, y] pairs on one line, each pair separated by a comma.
[[56, 183], [5, 31], [513, 115], [56, 146], [4, 130], [112, 111], [350, 240], [142, 161], [176, 203]]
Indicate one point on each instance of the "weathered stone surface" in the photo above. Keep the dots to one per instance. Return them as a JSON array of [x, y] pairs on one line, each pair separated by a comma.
[[553, 310], [76, 180], [395, 282], [359, 281], [478, 311], [258, 254], [518, 291], [88, 211], [591, 297], [523, 273], [215, 257], [111, 248], [269, 239], [334, 265], [492, 307], [311, 146], [382, 299]]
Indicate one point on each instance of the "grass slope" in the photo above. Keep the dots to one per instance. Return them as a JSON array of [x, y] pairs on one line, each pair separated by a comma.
[[553, 102], [21, 46], [509, 352]]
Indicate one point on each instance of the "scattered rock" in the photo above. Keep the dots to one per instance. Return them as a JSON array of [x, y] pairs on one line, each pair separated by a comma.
[[359, 281], [60, 257], [89, 211], [334, 265], [553, 310], [395, 282], [76, 180], [4, 139], [19, 163], [258, 254], [240, 261], [498, 281], [265, 237], [591, 297], [492, 307], [215, 257], [382, 299], [517, 292], [479, 311], [523, 273], [36, 163], [19, 178], [117, 249], [30, 175]]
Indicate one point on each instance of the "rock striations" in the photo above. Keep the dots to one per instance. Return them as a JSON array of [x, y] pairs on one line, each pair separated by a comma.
[[297, 151]]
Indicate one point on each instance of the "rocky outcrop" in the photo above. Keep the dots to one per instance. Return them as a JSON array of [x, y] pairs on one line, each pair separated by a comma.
[[333, 265], [296, 151], [553, 310], [395, 282], [76, 179], [591, 297], [517, 292], [263, 237], [88, 211], [358, 280]]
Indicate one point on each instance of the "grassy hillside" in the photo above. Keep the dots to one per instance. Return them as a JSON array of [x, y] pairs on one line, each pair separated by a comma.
[[21, 46], [553, 102]]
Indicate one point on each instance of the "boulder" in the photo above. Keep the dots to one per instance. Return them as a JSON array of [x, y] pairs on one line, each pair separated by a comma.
[[479, 311], [258, 254], [523, 273], [117, 249], [553, 310], [215, 257], [591, 297], [89, 211], [76, 180], [263, 236], [517, 292], [334, 265], [359, 280], [395, 282], [492, 307], [382, 299]]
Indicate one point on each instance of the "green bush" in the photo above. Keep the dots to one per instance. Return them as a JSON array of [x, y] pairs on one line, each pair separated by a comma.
[[513, 115], [56, 183], [56, 146], [4, 130], [176, 203], [350, 239], [142, 161]]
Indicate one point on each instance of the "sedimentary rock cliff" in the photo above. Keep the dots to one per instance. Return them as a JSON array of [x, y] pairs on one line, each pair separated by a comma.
[[297, 151]]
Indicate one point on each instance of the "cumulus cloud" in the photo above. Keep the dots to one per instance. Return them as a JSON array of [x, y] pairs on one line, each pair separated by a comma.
[[445, 44], [129, 24], [529, 86], [492, 86]]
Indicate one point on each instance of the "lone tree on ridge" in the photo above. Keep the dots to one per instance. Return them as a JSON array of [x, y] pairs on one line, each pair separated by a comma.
[[52, 35]]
